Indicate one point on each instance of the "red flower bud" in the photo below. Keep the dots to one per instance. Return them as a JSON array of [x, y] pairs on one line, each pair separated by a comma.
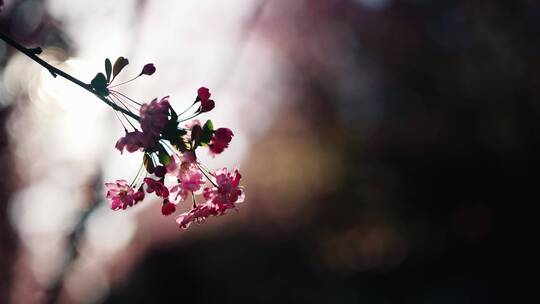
[[148, 69], [167, 208]]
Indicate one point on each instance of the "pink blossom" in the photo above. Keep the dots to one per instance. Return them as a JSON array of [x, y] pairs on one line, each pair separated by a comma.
[[203, 95], [198, 214], [167, 208], [180, 163], [139, 195], [134, 141], [190, 180], [207, 105], [189, 157], [227, 193], [156, 186], [174, 165], [221, 139], [154, 116], [121, 195]]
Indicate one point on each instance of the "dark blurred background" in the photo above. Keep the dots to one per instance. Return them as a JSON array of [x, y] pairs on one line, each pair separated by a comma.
[[394, 169]]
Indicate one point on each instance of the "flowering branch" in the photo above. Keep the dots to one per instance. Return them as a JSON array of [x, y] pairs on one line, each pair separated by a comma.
[[33, 54], [169, 149]]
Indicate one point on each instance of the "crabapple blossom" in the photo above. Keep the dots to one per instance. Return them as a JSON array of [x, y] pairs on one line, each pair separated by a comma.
[[203, 95], [167, 208], [190, 180], [178, 159], [227, 191], [197, 214], [156, 186], [121, 195], [133, 141], [169, 150], [221, 139], [225, 195], [180, 163], [189, 157], [154, 116]]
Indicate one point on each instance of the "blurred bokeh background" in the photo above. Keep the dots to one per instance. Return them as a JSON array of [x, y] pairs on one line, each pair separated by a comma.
[[387, 150]]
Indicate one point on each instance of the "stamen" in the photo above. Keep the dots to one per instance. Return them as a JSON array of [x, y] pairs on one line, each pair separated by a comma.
[[113, 93], [136, 176], [123, 112], [138, 103], [187, 108], [118, 117], [193, 116], [123, 82]]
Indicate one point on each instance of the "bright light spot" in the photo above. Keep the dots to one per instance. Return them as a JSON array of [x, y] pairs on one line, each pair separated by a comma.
[[45, 208], [108, 231]]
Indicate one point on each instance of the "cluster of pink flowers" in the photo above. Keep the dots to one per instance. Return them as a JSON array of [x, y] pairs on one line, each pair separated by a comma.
[[225, 194], [122, 195], [170, 150]]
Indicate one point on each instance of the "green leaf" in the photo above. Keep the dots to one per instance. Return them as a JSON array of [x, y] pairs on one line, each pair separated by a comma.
[[99, 83], [208, 125], [120, 63], [108, 69], [208, 131], [148, 163], [164, 157]]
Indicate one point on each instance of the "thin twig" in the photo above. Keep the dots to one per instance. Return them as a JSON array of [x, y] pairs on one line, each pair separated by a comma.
[[32, 53]]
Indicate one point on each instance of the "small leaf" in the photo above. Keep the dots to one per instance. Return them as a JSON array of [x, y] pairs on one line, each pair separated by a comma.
[[164, 157], [208, 125], [148, 163], [99, 83], [120, 63], [208, 131], [108, 69]]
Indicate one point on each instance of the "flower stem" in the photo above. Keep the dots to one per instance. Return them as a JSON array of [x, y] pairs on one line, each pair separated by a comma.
[[32, 53], [208, 178]]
